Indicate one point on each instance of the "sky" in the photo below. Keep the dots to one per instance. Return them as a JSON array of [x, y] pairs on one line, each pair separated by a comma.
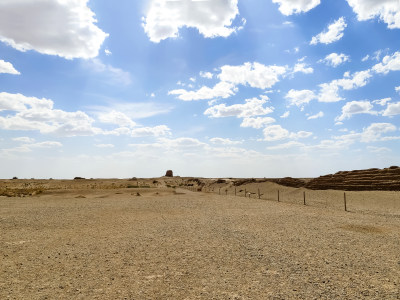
[[210, 88]]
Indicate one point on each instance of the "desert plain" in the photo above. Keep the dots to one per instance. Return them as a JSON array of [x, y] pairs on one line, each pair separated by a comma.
[[186, 238]]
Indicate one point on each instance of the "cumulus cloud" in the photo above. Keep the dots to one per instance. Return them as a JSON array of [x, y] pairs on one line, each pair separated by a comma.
[[7, 68], [211, 18], [329, 92], [316, 116], [277, 132], [220, 90], [356, 107], [332, 34], [388, 11], [160, 130], [116, 117], [392, 109], [257, 123], [255, 75], [251, 107], [373, 133], [207, 75], [335, 59], [382, 102], [289, 7], [302, 68], [291, 144], [285, 115], [64, 28], [300, 97], [24, 139], [30, 113], [389, 63], [397, 89], [224, 141]]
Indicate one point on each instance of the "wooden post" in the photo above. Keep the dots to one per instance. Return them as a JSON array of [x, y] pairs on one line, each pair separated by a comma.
[[345, 203], [304, 197], [226, 192], [278, 195], [245, 193], [259, 196], [235, 190], [219, 191]]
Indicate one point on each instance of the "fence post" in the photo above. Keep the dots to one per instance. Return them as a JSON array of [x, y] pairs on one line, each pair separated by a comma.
[[278, 195], [226, 192], [245, 193], [219, 191], [345, 202], [235, 190], [259, 196], [304, 197]]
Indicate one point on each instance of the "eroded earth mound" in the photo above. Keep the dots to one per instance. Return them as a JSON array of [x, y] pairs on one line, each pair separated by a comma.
[[387, 179]]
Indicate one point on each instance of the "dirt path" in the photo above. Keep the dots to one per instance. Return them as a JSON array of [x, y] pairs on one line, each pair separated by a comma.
[[110, 244]]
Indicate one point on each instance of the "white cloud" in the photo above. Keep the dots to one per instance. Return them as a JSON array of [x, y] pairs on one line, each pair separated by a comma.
[[316, 116], [382, 102], [333, 34], [373, 133], [291, 144], [30, 146], [251, 107], [365, 58], [220, 90], [257, 123], [224, 141], [47, 144], [113, 75], [24, 139], [63, 28], [397, 89], [133, 110], [7, 68], [335, 59], [356, 107], [289, 7], [211, 18], [285, 115], [104, 145], [275, 133], [392, 109], [300, 135], [160, 130], [254, 74], [374, 149], [107, 52], [387, 10], [116, 117], [329, 92], [30, 113], [300, 97], [207, 75], [302, 68], [389, 63]]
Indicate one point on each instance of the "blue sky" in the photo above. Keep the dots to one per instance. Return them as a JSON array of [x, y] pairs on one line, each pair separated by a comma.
[[222, 88]]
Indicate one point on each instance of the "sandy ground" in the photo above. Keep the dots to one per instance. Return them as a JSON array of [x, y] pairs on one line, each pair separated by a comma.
[[109, 243]]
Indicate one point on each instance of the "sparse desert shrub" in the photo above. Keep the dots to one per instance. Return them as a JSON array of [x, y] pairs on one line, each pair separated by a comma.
[[78, 178], [14, 178]]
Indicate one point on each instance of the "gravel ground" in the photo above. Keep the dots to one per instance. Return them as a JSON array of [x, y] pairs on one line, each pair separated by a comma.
[[112, 244]]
